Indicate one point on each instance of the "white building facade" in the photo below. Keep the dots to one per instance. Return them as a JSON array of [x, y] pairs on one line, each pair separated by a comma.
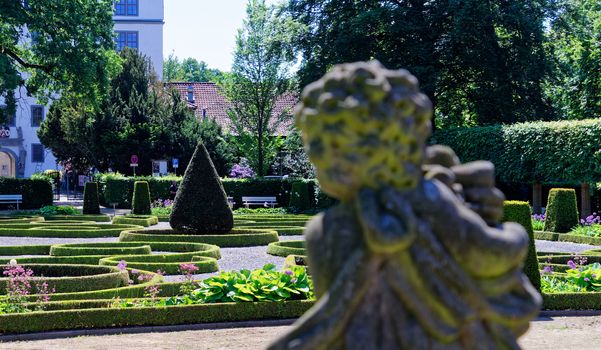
[[137, 24]]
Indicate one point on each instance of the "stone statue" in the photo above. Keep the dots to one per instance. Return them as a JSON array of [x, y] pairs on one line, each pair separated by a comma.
[[414, 256]]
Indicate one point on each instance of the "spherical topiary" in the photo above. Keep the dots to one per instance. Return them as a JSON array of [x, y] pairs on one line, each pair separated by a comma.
[[562, 211], [299, 195], [520, 212], [201, 205], [90, 198], [141, 199]]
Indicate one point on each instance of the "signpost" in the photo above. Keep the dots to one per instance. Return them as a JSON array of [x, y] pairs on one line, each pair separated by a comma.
[[175, 164], [134, 162]]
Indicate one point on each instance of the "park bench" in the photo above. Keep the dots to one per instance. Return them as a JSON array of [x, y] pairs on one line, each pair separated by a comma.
[[265, 201], [11, 199]]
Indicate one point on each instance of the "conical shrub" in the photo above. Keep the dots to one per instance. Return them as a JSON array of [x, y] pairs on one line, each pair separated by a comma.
[[90, 198], [520, 212], [200, 205], [562, 211], [141, 199]]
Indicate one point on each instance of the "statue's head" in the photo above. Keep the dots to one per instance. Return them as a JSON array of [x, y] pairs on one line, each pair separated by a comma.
[[364, 126]]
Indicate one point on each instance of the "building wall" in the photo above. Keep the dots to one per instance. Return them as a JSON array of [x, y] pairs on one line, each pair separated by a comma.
[[148, 24]]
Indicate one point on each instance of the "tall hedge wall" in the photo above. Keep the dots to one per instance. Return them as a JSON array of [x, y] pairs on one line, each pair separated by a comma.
[[555, 152], [36, 193], [120, 190]]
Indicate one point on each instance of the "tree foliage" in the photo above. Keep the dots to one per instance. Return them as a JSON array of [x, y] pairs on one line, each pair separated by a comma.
[[189, 70], [480, 62], [137, 117], [260, 75], [575, 45], [53, 46]]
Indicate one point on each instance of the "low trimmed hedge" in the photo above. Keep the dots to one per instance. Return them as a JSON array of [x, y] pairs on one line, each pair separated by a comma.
[[236, 237], [142, 220], [74, 278], [150, 316], [271, 223], [572, 301], [65, 230], [281, 230], [18, 219], [566, 237], [285, 248], [168, 264], [25, 250], [87, 217], [101, 249]]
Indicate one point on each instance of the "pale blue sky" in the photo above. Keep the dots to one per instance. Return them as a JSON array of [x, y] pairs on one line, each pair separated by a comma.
[[203, 29]]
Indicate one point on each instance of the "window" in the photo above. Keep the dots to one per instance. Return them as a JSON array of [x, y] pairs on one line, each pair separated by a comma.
[[37, 153], [127, 39], [126, 8], [37, 115], [191, 94]]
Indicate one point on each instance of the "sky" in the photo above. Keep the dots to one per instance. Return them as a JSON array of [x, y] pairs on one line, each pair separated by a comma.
[[203, 29]]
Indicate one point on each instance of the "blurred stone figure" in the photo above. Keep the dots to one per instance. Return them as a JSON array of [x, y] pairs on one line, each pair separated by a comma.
[[414, 256]]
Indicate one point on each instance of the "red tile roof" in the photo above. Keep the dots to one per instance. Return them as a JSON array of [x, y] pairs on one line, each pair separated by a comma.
[[207, 98]]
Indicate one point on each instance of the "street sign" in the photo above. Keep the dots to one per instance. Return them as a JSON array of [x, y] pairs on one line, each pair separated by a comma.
[[134, 159], [175, 163]]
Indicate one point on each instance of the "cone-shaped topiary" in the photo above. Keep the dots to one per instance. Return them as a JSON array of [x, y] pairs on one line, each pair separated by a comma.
[[90, 198], [562, 211], [520, 212], [140, 203], [200, 205]]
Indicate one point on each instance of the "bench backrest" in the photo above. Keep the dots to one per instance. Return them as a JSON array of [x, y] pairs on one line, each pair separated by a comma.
[[258, 199], [11, 197]]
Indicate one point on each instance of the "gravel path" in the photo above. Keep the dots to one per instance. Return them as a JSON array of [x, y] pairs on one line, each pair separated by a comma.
[[567, 247]]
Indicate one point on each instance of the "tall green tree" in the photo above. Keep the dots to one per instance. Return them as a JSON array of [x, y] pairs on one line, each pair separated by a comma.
[[61, 46], [137, 117], [480, 62], [575, 45], [189, 70], [260, 75]]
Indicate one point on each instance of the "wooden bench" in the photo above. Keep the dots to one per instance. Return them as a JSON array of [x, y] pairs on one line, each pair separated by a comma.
[[11, 199], [264, 201]]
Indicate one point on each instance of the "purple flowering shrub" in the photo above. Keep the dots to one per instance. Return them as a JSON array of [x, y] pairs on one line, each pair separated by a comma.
[[241, 170], [538, 222], [161, 207], [19, 287], [593, 219], [579, 277]]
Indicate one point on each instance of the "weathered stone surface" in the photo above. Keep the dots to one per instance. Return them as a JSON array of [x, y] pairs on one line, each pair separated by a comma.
[[414, 256]]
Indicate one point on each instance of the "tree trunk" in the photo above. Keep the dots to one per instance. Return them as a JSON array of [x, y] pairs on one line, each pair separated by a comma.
[[585, 200], [537, 198], [260, 155]]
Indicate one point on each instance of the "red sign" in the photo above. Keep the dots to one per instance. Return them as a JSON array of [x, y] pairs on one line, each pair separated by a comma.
[[134, 159]]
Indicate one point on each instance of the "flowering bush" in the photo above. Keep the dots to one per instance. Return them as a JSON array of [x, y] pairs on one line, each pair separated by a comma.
[[161, 207], [242, 170], [579, 277], [188, 271], [593, 219], [538, 222], [19, 286]]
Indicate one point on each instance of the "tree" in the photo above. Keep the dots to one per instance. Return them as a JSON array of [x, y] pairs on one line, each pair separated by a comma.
[[575, 44], [60, 46], [189, 70], [259, 76], [137, 117], [480, 62]]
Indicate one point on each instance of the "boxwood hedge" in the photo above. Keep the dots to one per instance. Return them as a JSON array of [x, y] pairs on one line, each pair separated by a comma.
[[562, 211], [90, 230], [96, 218], [150, 316], [285, 248], [236, 237], [142, 220]]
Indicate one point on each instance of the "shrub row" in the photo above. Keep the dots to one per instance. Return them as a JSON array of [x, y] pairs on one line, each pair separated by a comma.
[[555, 152], [101, 249], [74, 278], [281, 230], [141, 220], [95, 218], [36, 193], [18, 219], [572, 301], [168, 264], [65, 231], [285, 248], [236, 238], [565, 237], [120, 190], [150, 316]]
